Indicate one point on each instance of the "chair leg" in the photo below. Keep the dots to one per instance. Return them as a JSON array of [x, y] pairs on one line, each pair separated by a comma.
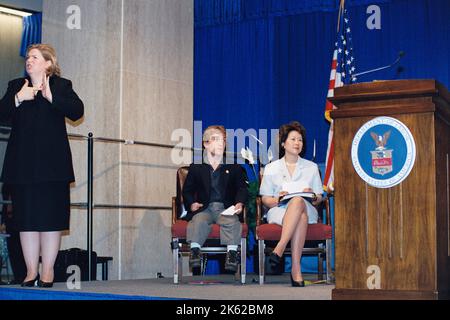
[[328, 261], [243, 259], [177, 260], [261, 257], [320, 266], [203, 264]]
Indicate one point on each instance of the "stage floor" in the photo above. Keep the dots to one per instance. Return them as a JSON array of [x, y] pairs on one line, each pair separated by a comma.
[[221, 287]]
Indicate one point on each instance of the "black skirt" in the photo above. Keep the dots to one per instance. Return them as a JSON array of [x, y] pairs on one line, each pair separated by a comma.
[[41, 206]]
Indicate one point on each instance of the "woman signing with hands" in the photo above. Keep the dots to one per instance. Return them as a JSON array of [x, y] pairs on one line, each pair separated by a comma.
[[38, 161]]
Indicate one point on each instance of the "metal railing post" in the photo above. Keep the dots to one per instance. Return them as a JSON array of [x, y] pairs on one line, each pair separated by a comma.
[[90, 203]]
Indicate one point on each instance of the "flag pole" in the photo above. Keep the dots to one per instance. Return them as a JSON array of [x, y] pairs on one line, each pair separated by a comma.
[[335, 81], [341, 11]]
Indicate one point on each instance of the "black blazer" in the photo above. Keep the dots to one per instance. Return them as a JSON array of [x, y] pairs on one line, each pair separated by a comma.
[[197, 186], [38, 148]]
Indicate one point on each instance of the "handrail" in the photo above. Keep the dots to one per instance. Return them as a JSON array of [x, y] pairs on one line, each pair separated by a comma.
[[142, 143], [83, 205], [76, 135]]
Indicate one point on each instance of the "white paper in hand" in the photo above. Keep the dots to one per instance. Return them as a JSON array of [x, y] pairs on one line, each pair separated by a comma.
[[184, 213], [229, 211], [294, 186]]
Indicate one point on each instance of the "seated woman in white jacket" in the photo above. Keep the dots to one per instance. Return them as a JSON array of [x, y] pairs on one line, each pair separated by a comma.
[[291, 173]]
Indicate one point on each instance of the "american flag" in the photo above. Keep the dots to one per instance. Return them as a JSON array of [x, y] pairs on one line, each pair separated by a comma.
[[342, 71]]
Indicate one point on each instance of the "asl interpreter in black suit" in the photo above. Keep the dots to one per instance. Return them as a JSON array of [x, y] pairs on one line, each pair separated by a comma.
[[38, 160], [209, 189]]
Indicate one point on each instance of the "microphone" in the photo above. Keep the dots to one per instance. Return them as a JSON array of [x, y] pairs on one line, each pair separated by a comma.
[[400, 69], [314, 151]]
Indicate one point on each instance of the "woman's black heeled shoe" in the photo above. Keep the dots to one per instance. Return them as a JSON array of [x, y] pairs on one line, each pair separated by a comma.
[[31, 283], [274, 264], [297, 283], [42, 284]]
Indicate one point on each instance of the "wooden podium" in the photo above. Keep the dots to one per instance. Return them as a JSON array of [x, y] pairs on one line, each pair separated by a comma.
[[393, 243]]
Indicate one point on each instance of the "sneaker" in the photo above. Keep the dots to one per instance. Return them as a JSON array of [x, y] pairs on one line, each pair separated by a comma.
[[231, 262], [194, 258]]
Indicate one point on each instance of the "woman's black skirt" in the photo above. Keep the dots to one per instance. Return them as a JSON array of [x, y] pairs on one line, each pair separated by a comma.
[[41, 206]]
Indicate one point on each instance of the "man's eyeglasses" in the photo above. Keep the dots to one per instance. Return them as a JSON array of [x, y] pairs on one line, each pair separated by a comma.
[[216, 139]]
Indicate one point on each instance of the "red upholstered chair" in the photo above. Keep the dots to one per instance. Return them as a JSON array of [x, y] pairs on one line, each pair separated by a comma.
[[212, 244], [318, 239]]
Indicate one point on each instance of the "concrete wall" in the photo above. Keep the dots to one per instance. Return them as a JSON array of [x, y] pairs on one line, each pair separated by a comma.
[[131, 62]]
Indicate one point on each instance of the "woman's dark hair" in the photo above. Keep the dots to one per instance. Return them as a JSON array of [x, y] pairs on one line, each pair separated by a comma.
[[285, 129]]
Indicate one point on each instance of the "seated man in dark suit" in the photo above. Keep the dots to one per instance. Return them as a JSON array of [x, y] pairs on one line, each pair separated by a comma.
[[209, 189]]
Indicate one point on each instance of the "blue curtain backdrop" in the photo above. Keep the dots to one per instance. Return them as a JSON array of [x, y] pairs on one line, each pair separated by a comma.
[[261, 63], [32, 31]]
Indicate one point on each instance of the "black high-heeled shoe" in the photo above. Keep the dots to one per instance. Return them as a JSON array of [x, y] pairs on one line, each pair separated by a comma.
[[43, 284], [297, 283], [273, 265], [31, 283]]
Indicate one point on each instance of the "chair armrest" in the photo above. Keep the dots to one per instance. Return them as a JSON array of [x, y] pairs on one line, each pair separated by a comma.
[[259, 210], [244, 214], [174, 210], [326, 203]]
